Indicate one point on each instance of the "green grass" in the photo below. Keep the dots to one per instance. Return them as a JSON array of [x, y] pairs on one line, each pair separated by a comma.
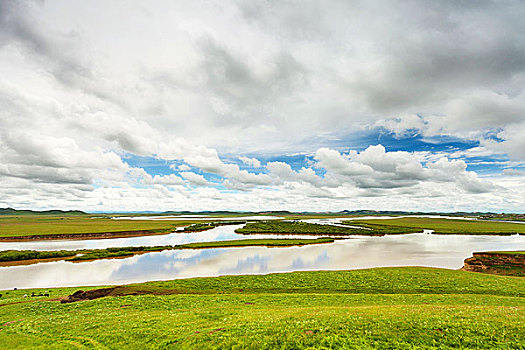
[[19, 255], [444, 226], [129, 251], [36, 225], [31, 225], [518, 252], [94, 254], [390, 308], [379, 229], [200, 227], [375, 227], [298, 227], [209, 225], [269, 242]]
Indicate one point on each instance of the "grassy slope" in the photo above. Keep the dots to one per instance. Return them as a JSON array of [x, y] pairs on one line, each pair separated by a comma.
[[374, 308], [447, 225], [47, 225]]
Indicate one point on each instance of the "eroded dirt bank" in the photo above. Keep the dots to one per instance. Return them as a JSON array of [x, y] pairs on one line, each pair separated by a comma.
[[497, 263]]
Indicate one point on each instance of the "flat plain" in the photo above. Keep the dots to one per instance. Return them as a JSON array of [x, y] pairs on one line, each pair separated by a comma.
[[39, 225], [444, 226]]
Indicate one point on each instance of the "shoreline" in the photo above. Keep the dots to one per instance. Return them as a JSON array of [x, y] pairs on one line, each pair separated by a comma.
[[85, 236], [123, 253]]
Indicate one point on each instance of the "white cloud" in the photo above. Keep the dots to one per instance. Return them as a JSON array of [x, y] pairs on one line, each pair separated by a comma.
[[188, 82], [374, 168], [170, 179], [253, 162], [183, 167], [195, 179]]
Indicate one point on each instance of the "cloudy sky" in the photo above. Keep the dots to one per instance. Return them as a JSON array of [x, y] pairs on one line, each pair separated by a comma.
[[259, 105]]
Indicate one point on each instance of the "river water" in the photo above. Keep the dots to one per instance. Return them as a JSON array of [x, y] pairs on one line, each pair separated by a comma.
[[418, 249]]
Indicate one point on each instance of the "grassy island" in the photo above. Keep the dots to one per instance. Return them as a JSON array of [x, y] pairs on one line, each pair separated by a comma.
[[34, 256], [304, 228]]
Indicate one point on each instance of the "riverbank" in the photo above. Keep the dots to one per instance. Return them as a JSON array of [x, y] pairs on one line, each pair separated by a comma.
[[28, 257], [497, 263], [91, 235], [38, 227]]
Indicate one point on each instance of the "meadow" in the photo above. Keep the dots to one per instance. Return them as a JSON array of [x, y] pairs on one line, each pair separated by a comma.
[[43, 225], [382, 308], [379, 227], [443, 226]]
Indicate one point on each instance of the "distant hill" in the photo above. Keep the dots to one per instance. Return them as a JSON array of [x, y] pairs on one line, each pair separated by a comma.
[[390, 212], [11, 211]]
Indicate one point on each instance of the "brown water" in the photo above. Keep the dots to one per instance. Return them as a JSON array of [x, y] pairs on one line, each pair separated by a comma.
[[420, 249]]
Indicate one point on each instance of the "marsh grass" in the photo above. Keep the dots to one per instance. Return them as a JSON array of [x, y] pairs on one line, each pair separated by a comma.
[[442, 226]]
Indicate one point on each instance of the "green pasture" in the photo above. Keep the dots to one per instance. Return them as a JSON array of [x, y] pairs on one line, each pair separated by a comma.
[[383, 308]]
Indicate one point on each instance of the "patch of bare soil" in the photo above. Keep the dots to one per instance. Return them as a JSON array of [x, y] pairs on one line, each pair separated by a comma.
[[81, 295]]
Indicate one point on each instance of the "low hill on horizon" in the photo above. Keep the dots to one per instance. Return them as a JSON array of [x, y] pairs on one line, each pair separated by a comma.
[[11, 211]]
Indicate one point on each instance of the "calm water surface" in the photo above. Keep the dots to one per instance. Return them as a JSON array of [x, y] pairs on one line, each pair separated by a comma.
[[419, 249], [220, 233]]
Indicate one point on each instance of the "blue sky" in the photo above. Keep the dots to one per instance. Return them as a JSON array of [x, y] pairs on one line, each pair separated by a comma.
[[259, 105], [451, 147]]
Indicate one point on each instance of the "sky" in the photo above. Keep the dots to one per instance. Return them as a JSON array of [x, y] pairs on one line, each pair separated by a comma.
[[262, 105]]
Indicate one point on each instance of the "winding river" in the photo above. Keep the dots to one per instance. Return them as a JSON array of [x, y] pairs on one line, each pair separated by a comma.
[[417, 249]]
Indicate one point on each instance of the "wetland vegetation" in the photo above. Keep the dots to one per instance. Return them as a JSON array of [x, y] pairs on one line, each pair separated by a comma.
[[37, 227], [306, 228], [443, 226], [9, 256], [198, 227]]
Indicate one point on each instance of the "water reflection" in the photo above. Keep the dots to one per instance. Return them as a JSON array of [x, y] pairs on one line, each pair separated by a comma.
[[220, 233], [419, 249], [216, 234]]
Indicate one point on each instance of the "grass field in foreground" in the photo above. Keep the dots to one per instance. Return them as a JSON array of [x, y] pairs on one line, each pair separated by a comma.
[[446, 226], [394, 308], [31, 225]]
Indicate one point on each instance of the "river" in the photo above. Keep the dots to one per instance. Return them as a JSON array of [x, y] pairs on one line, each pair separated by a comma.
[[418, 249]]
